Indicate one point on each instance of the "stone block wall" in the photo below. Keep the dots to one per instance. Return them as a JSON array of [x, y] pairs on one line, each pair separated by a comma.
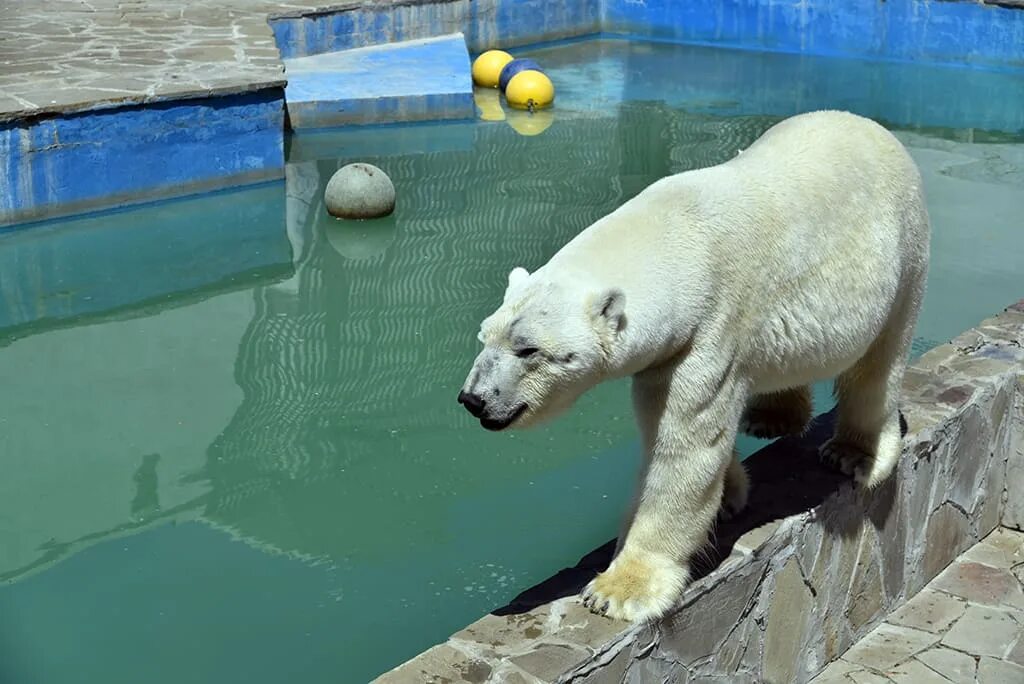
[[811, 567], [1013, 507]]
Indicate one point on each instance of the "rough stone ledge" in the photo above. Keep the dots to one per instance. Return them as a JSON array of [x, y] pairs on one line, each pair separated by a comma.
[[89, 103], [811, 567]]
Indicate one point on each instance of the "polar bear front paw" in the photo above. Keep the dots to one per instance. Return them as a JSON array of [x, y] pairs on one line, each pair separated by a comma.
[[848, 458], [636, 587]]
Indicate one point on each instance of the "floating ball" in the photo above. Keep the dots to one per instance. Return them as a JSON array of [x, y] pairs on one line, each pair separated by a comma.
[[488, 101], [513, 68], [530, 90], [531, 123], [359, 191], [487, 67]]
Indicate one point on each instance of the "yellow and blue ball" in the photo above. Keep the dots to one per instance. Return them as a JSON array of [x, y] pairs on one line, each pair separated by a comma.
[[530, 90], [513, 68], [487, 67]]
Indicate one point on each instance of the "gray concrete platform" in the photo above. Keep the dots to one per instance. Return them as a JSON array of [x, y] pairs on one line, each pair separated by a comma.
[[966, 626], [405, 81]]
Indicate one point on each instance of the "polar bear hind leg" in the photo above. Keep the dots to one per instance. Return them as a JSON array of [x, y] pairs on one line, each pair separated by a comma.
[[778, 414], [868, 440]]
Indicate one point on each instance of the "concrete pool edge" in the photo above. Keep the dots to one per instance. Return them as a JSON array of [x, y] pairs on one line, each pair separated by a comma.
[[792, 593]]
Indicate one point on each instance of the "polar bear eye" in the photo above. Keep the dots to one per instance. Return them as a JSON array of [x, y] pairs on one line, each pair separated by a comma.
[[526, 352]]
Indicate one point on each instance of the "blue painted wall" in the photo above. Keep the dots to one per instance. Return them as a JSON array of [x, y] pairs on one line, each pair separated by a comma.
[[75, 163], [56, 271], [486, 24], [928, 30], [957, 31]]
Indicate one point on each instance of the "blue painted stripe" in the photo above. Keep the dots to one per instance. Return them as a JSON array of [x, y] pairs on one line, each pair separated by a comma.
[[71, 161], [380, 110], [917, 30]]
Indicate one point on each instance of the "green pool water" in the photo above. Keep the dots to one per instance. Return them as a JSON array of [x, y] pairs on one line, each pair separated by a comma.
[[267, 478]]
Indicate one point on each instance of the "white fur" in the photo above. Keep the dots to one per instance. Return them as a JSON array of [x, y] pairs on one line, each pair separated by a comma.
[[802, 258]]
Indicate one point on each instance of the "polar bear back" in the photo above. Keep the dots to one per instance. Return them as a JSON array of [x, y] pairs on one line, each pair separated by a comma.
[[842, 234], [800, 246]]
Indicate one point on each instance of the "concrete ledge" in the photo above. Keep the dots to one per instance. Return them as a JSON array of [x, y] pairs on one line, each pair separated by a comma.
[[410, 81], [812, 566]]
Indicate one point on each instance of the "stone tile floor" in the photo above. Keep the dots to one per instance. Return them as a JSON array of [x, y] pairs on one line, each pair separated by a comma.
[[73, 55], [965, 627]]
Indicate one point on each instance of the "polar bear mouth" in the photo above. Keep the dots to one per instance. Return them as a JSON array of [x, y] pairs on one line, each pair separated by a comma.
[[496, 424]]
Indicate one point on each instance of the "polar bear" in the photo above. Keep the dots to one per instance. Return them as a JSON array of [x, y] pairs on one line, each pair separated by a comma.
[[723, 292]]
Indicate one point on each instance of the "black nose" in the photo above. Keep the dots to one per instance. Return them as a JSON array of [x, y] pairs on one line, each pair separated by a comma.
[[473, 403]]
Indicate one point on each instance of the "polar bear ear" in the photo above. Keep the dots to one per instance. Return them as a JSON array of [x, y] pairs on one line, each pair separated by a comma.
[[609, 308], [516, 277]]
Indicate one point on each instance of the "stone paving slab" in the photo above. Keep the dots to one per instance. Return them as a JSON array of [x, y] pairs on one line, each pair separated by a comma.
[[963, 627], [71, 55]]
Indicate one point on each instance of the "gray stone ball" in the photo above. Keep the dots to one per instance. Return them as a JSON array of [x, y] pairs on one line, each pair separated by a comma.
[[359, 191]]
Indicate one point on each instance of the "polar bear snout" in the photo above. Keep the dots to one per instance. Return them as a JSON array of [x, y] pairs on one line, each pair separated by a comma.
[[496, 424], [491, 418], [491, 393], [474, 403]]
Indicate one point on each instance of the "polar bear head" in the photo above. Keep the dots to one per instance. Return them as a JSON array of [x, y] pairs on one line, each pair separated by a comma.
[[547, 344]]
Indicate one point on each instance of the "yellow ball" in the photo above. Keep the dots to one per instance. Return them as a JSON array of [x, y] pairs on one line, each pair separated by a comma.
[[531, 123], [488, 101], [487, 67], [530, 88]]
